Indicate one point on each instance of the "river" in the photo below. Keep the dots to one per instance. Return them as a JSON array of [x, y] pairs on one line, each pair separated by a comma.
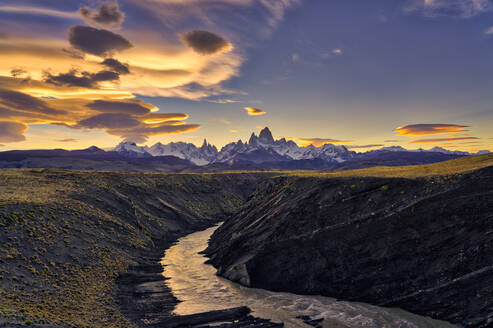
[[198, 288]]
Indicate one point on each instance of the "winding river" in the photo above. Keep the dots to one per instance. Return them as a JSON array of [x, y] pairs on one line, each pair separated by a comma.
[[200, 290]]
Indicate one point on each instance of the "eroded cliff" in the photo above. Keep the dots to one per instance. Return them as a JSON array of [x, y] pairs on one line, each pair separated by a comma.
[[424, 244]]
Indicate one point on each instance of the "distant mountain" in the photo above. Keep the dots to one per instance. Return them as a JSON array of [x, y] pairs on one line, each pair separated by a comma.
[[199, 156], [259, 149], [131, 150], [261, 152], [93, 158]]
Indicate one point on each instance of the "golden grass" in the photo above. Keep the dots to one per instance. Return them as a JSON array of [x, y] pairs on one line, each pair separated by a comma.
[[456, 166]]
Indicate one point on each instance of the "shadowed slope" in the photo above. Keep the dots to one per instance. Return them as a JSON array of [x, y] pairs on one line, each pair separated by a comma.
[[420, 243]]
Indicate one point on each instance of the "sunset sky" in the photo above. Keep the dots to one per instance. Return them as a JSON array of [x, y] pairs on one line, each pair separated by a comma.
[[366, 74]]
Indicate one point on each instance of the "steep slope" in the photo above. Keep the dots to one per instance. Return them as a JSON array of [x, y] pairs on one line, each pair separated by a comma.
[[422, 243], [65, 236]]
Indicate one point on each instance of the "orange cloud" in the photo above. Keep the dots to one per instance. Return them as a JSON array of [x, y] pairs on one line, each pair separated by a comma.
[[131, 119], [317, 142], [429, 129], [442, 140], [154, 118], [254, 111], [12, 131], [364, 146]]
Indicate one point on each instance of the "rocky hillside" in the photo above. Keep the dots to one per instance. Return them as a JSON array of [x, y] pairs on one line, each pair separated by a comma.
[[65, 236], [419, 238]]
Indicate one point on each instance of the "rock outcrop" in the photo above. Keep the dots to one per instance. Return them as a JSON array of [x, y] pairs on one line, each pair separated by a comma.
[[421, 244]]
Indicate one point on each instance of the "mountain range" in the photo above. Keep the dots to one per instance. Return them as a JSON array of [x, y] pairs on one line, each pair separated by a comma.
[[259, 153], [260, 149]]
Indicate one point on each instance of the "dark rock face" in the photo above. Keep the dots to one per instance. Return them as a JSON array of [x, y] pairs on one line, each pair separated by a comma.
[[424, 245]]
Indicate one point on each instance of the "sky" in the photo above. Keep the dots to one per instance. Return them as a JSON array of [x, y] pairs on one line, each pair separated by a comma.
[[366, 74]]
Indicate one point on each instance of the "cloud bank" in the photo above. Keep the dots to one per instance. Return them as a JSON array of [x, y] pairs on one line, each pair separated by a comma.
[[90, 78], [12, 131], [438, 140], [429, 129]]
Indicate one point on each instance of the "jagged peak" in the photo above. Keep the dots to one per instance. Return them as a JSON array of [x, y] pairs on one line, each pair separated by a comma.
[[126, 142], [253, 139], [266, 136]]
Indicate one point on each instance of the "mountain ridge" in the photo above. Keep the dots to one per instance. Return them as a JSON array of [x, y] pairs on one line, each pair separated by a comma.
[[261, 152], [259, 149]]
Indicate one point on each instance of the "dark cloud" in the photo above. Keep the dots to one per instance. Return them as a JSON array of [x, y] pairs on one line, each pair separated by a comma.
[[83, 79], [204, 42], [26, 103], [67, 140], [429, 129], [120, 107], [18, 72], [436, 140], [133, 128], [12, 131], [141, 133], [109, 121], [116, 66], [391, 141], [95, 41], [16, 114], [108, 14]]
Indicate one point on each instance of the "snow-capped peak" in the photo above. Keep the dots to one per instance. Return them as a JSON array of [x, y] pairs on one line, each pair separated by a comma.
[[259, 148], [130, 149]]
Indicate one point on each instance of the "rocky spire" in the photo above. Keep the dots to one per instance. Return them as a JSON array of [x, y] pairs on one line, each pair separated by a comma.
[[204, 144], [253, 140], [265, 136]]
